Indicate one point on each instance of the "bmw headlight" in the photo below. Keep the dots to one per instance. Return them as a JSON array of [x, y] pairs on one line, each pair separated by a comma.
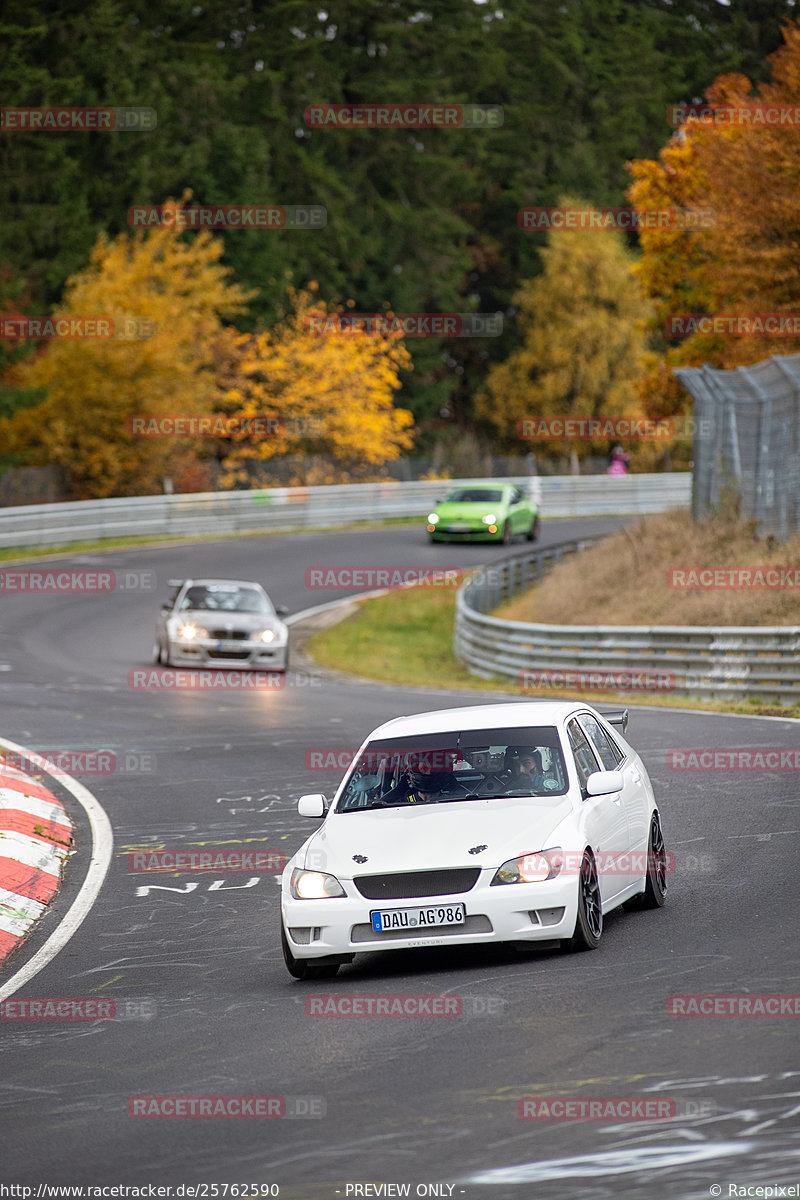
[[531, 868], [433, 518], [314, 885], [266, 635], [489, 519], [190, 632]]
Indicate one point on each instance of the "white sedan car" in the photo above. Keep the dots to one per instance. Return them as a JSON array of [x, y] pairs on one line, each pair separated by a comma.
[[222, 623], [523, 823]]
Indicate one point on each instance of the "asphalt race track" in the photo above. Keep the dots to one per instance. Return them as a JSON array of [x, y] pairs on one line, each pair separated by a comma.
[[205, 1006]]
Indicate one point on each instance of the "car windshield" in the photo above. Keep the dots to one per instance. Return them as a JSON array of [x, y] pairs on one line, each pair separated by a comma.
[[220, 597], [474, 496], [462, 765]]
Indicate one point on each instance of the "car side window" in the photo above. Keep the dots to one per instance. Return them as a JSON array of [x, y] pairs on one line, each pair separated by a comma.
[[585, 761], [609, 752], [516, 496]]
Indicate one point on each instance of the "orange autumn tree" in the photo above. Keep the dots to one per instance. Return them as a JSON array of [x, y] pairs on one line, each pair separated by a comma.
[[333, 394], [166, 294], [748, 174]]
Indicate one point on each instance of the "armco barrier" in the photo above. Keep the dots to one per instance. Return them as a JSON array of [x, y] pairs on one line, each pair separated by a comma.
[[722, 662], [286, 509]]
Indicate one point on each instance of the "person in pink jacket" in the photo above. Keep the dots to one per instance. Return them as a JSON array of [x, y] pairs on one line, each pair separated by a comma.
[[618, 461]]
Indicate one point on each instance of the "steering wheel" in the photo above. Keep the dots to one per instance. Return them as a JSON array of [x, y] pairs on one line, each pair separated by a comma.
[[495, 783]]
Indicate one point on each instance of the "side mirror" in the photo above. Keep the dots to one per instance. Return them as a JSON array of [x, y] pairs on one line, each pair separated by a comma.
[[282, 610], [312, 805], [604, 783], [166, 606]]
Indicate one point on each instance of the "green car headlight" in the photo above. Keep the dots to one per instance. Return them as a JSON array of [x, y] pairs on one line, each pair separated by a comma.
[[489, 519], [433, 518]]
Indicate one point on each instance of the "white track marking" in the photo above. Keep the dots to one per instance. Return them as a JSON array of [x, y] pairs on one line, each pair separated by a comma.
[[102, 851]]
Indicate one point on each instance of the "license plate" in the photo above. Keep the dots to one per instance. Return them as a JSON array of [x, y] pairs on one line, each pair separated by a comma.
[[228, 646], [458, 528], [384, 919]]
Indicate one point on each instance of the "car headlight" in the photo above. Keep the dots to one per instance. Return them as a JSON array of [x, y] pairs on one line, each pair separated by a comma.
[[314, 885], [433, 518], [531, 868], [489, 519], [266, 635], [189, 632]]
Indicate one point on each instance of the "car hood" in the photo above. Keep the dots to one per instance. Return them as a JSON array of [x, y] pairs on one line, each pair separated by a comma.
[[468, 508], [423, 837], [230, 620]]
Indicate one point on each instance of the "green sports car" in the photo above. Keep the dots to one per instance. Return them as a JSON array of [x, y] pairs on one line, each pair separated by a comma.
[[484, 512]]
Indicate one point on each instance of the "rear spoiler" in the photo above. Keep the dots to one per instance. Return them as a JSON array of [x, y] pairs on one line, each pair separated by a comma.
[[616, 716]]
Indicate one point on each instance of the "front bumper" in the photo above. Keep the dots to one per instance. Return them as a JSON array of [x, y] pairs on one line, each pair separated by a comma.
[[210, 652], [520, 912], [477, 532]]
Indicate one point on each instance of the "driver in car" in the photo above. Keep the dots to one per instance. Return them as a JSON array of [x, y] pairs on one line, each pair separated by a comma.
[[523, 769], [426, 782]]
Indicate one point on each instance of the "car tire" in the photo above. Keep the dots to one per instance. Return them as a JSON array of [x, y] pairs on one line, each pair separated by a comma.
[[157, 652], [533, 533], [302, 968], [589, 918], [506, 535], [655, 886]]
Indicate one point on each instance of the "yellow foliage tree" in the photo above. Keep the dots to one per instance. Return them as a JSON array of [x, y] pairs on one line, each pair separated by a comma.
[[165, 294], [332, 393], [582, 324]]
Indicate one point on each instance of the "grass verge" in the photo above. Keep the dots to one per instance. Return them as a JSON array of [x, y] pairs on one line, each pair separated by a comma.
[[406, 637]]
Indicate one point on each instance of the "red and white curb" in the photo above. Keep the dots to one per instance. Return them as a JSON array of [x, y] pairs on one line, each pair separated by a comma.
[[35, 840]]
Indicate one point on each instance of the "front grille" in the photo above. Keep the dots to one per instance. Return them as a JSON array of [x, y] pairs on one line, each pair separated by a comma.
[[403, 885], [476, 924], [229, 654], [229, 635]]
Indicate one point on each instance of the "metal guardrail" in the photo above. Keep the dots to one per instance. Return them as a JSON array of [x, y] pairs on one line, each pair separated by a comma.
[[279, 510], [704, 663]]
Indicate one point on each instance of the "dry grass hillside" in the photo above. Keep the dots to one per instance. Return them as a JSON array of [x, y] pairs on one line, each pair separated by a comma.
[[625, 580]]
